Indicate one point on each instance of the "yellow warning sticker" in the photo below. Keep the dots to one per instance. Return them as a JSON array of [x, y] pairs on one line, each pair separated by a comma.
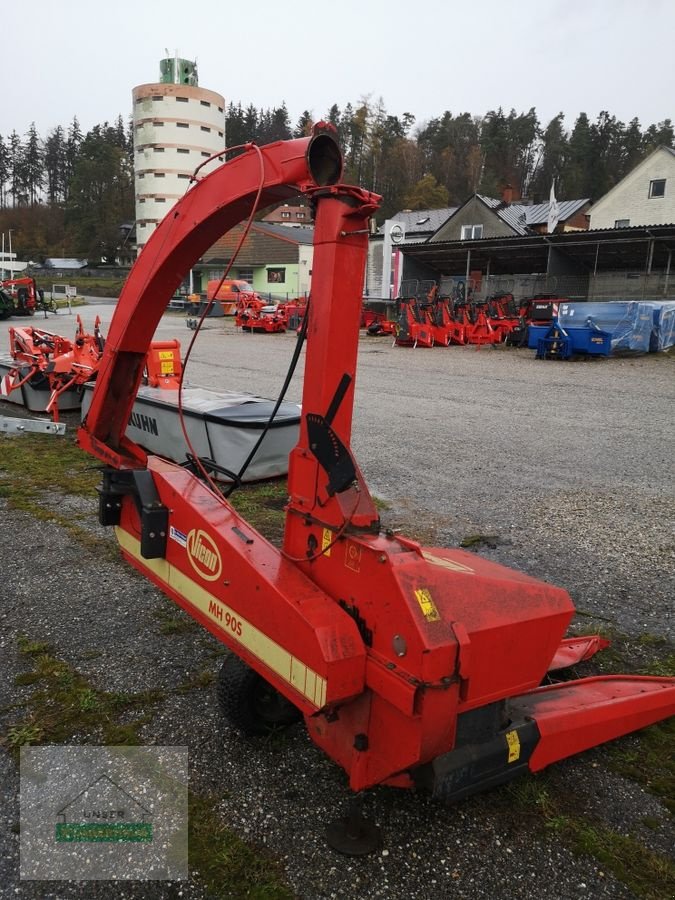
[[167, 368], [513, 742], [166, 354], [427, 605], [326, 541]]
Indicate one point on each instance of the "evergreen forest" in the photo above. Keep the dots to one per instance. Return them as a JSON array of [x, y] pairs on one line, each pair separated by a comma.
[[68, 193]]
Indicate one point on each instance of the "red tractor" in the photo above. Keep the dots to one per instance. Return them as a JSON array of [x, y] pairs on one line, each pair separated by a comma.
[[24, 294]]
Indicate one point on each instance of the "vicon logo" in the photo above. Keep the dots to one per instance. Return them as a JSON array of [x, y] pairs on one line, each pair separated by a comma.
[[203, 554]]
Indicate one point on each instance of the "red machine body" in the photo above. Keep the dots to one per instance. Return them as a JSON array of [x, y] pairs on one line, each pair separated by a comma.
[[163, 366], [411, 665], [66, 364], [414, 325], [442, 322], [255, 315]]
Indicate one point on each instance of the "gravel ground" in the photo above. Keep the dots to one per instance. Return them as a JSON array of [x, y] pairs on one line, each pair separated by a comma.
[[566, 466]]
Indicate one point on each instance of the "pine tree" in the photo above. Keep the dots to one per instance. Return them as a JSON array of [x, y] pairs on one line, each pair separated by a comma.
[[16, 174], [33, 165], [55, 165], [304, 125], [73, 143], [4, 171], [551, 162]]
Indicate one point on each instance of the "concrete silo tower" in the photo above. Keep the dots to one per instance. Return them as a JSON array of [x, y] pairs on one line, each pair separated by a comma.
[[177, 125]]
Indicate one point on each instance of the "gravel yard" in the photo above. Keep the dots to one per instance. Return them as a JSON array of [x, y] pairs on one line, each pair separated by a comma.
[[562, 470]]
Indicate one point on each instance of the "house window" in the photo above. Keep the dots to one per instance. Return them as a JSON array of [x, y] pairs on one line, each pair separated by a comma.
[[246, 275], [300, 215], [159, 174], [182, 175], [285, 215], [471, 232], [160, 199], [276, 276], [181, 99], [182, 150], [205, 103], [220, 109], [622, 223], [206, 128], [156, 97], [182, 125], [204, 153], [657, 188], [158, 149], [220, 134], [158, 124]]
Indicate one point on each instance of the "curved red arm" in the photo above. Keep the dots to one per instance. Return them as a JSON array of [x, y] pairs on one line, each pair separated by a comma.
[[213, 206]]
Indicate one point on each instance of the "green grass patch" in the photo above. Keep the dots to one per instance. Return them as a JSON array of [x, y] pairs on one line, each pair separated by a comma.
[[197, 681], [471, 541], [647, 756], [34, 464], [173, 620], [64, 704], [31, 464], [226, 865], [92, 287], [536, 799], [262, 505]]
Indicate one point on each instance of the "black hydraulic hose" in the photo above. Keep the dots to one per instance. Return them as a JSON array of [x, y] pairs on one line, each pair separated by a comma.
[[289, 375]]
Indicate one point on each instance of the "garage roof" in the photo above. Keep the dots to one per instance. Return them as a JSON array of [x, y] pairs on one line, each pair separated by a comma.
[[613, 248]]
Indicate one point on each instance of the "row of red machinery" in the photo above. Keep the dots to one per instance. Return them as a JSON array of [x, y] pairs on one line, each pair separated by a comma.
[[440, 321]]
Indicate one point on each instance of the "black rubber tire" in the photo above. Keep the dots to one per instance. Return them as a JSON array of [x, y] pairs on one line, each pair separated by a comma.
[[249, 702]]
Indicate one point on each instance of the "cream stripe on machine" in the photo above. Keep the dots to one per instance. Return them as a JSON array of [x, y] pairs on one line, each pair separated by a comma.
[[305, 680]]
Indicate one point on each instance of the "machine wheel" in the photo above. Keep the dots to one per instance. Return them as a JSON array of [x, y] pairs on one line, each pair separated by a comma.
[[249, 702]]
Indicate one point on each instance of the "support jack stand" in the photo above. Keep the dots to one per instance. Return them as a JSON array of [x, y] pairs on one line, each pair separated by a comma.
[[354, 835]]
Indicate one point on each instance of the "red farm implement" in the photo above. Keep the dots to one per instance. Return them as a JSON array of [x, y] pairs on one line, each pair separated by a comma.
[[256, 316], [411, 665], [472, 325], [47, 361], [414, 328]]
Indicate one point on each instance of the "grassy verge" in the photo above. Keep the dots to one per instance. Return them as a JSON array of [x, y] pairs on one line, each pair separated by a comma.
[[33, 465], [92, 287], [262, 505], [64, 707], [647, 757], [537, 800]]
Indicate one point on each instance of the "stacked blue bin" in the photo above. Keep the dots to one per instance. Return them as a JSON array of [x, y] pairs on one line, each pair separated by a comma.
[[663, 318], [628, 322]]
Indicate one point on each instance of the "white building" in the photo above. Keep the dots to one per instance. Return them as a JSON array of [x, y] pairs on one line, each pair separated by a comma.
[[177, 125], [646, 196]]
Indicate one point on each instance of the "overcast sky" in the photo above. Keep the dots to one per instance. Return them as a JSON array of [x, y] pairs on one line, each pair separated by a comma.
[[83, 58]]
